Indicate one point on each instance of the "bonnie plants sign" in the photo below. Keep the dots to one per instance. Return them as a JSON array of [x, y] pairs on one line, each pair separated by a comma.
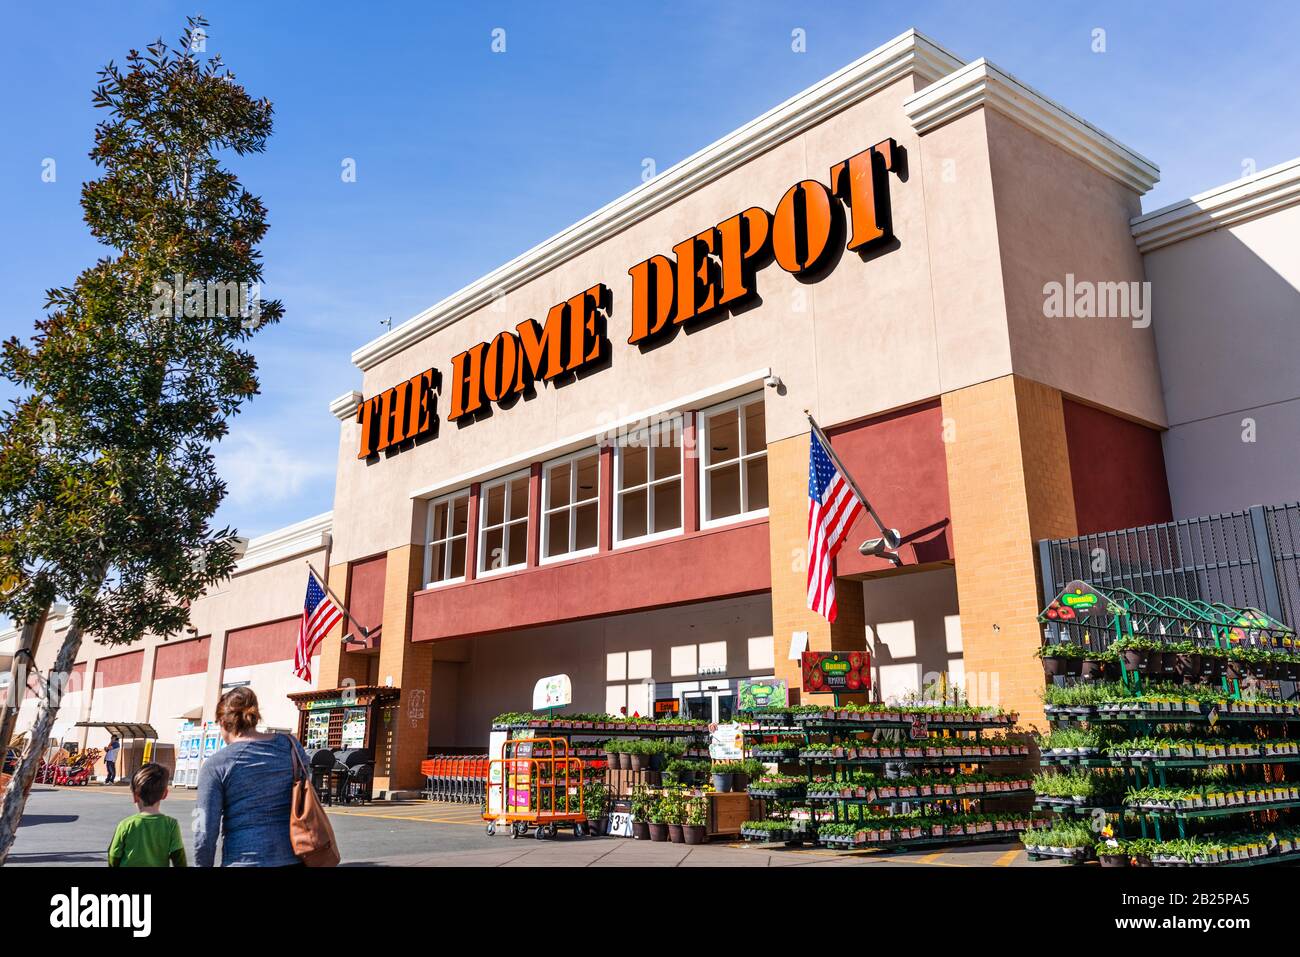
[[827, 672]]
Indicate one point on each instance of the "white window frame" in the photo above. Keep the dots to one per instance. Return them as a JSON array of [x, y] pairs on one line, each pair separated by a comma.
[[429, 541], [571, 507], [480, 562], [704, 444], [649, 485]]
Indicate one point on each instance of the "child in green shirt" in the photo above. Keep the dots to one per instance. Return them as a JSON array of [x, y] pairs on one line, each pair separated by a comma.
[[147, 839]]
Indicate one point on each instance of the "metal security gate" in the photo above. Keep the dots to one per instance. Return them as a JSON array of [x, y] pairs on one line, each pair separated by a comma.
[[1248, 559]]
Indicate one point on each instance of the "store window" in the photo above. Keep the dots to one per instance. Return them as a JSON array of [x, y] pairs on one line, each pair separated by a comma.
[[648, 482], [733, 457], [444, 556], [571, 505], [503, 524]]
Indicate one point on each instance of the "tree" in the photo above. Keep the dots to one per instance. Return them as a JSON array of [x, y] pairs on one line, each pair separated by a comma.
[[108, 485]]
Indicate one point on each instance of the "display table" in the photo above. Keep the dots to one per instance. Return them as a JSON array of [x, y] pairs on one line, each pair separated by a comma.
[[727, 812]]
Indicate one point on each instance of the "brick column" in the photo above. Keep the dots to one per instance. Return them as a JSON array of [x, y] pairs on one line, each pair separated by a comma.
[[1008, 485], [410, 666], [336, 665], [787, 480]]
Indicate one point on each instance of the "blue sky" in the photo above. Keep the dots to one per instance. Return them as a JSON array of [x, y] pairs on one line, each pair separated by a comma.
[[466, 157]]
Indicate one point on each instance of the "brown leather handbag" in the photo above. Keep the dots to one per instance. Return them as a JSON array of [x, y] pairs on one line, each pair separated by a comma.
[[310, 831]]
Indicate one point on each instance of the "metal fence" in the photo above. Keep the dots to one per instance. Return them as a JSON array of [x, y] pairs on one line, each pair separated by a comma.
[[1248, 559]]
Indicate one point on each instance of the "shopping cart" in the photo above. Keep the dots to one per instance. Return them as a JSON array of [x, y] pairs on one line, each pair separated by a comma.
[[456, 778], [536, 785]]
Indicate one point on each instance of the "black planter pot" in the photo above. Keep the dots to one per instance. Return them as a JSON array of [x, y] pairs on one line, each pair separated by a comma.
[[1135, 659], [658, 832], [1187, 664], [654, 778], [1155, 663], [1092, 670], [656, 762], [640, 831], [640, 762], [1052, 667], [675, 833], [724, 783], [694, 833], [740, 782], [1113, 860]]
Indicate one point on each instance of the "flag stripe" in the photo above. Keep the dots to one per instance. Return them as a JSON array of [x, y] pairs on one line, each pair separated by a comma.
[[319, 615], [833, 507]]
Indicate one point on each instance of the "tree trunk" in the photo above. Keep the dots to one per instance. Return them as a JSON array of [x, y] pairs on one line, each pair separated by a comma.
[[21, 667], [15, 796]]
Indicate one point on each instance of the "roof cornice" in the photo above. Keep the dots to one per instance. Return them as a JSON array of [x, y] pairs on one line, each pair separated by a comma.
[[909, 54], [983, 84], [1236, 202], [297, 539], [344, 407]]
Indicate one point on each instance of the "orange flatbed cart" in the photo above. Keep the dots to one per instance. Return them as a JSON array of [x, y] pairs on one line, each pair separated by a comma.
[[538, 786]]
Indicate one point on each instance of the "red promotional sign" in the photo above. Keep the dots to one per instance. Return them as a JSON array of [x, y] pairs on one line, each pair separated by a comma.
[[835, 672]]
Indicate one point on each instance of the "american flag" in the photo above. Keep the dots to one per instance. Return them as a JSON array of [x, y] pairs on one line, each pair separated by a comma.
[[833, 507], [319, 615]]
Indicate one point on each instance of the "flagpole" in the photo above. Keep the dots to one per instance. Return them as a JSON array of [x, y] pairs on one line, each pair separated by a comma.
[[365, 632], [890, 535]]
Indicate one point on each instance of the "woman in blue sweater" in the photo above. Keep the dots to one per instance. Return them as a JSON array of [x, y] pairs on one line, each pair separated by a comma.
[[245, 791]]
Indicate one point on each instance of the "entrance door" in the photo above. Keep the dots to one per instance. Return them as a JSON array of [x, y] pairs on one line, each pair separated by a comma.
[[714, 702]]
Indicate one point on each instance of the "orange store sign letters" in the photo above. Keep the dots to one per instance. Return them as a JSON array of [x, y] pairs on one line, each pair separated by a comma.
[[708, 273]]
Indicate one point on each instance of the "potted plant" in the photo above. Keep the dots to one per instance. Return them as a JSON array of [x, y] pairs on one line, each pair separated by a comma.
[[674, 813], [694, 830], [724, 776], [1138, 653], [642, 800], [1064, 658], [595, 801], [658, 820], [1111, 854]]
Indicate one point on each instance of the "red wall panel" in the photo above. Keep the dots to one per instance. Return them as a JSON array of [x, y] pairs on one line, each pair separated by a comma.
[[119, 669], [898, 461], [181, 658], [272, 641], [1117, 471], [366, 599], [717, 563]]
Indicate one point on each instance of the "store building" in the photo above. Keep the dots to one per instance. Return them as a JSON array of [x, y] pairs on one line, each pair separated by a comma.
[[594, 460]]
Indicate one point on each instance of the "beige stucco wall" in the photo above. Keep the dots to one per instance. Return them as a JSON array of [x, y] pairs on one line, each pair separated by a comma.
[[984, 213], [1227, 326], [1058, 216], [862, 339]]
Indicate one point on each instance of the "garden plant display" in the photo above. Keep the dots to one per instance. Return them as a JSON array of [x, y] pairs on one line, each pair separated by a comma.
[[1188, 756], [831, 787]]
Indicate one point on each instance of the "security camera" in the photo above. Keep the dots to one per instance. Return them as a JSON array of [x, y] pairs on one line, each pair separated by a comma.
[[772, 382]]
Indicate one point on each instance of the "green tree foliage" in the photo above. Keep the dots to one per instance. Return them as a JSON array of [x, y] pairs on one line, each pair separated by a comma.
[[108, 485]]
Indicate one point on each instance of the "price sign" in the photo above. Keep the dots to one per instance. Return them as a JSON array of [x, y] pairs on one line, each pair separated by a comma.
[[620, 824]]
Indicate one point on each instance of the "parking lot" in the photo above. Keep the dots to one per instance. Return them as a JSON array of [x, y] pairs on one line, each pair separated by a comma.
[[73, 826]]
